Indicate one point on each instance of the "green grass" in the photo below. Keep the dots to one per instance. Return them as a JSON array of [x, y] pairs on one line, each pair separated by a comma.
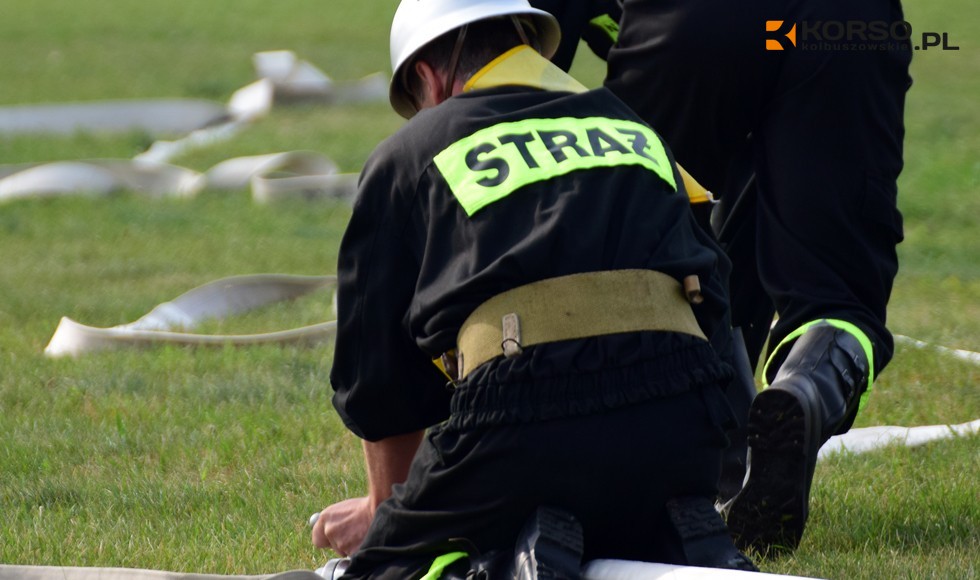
[[169, 458], [896, 513], [180, 460], [211, 460]]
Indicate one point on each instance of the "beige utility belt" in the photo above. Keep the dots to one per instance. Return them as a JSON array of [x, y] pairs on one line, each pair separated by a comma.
[[576, 306]]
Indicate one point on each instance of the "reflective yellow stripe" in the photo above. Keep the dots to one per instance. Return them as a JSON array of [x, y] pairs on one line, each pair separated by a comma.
[[522, 65], [440, 564], [695, 191], [851, 329], [494, 162], [605, 23]]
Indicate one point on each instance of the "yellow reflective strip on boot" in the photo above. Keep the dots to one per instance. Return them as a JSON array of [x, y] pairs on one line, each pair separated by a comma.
[[848, 327]]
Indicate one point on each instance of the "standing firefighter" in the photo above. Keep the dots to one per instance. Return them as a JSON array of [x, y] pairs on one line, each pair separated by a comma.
[[753, 98], [533, 237]]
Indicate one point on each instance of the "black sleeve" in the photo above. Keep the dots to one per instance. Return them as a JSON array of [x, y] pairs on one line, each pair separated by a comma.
[[384, 385], [595, 21], [602, 29]]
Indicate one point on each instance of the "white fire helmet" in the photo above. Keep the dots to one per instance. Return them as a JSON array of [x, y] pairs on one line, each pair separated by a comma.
[[418, 22]]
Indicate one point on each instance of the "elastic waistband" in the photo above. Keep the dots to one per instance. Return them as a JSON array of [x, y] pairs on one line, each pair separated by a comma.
[[575, 378]]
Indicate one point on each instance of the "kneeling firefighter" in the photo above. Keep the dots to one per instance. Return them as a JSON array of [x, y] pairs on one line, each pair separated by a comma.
[[533, 238]]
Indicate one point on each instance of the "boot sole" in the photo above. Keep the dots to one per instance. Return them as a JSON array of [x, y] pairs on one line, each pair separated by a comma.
[[557, 549], [770, 512], [705, 539]]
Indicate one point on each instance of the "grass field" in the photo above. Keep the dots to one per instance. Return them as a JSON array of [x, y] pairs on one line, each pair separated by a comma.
[[212, 460]]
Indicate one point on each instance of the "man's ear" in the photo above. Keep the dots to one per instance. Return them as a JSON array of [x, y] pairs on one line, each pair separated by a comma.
[[432, 84]]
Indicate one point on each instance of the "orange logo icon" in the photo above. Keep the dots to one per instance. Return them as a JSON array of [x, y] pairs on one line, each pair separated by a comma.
[[777, 43]]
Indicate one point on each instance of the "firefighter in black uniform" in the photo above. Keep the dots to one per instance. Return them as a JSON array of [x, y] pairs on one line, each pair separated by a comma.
[[799, 131], [536, 239]]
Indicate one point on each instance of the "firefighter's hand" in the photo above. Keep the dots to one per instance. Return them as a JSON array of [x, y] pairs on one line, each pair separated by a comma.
[[342, 526]]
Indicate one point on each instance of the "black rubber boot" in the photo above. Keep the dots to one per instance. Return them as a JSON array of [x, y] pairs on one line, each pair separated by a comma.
[[813, 396], [494, 565], [704, 537], [333, 569], [549, 547]]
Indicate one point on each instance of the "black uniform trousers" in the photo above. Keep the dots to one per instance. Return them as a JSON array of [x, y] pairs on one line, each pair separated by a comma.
[[819, 126], [614, 469]]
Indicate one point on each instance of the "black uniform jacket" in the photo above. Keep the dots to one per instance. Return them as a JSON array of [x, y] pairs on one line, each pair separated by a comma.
[[426, 244]]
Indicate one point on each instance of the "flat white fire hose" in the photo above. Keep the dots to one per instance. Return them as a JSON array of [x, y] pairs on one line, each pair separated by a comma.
[[630, 570], [154, 116], [869, 438], [215, 300], [13, 572], [961, 354], [283, 78], [595, 570], [271, 177]]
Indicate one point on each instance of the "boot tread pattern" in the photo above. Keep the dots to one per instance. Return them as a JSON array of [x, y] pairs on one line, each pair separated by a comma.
[[771, 510]]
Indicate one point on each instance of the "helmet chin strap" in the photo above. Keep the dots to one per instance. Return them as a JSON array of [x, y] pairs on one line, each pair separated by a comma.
[[520, 30], [458, 49], [454, 60]]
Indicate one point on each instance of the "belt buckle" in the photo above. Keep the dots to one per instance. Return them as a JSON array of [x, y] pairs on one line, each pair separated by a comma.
[[511, 343]]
